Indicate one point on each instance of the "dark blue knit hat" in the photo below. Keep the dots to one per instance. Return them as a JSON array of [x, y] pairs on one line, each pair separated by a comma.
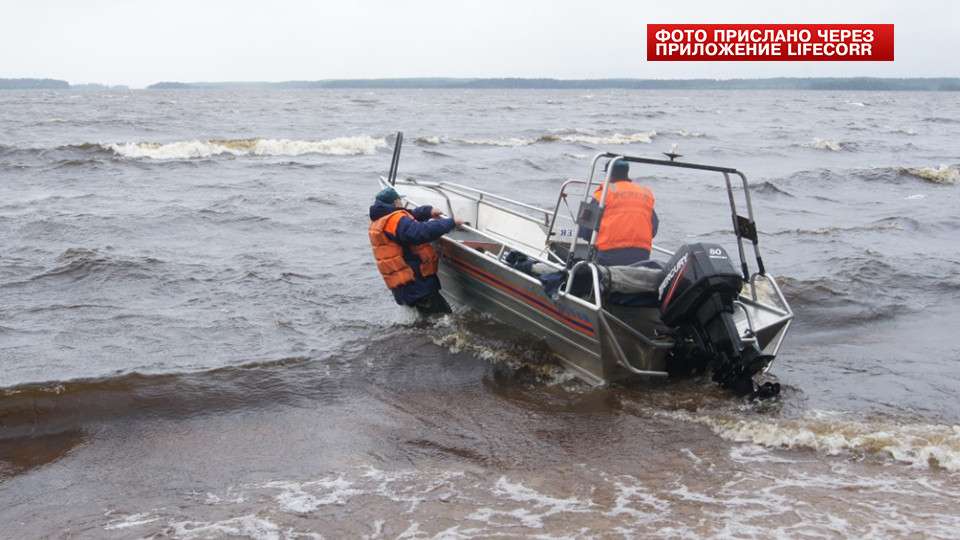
[[620, 171], [388, 195]]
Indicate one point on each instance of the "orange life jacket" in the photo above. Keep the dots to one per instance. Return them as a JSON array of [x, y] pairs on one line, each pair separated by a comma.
[[389, 254], [627, 220]]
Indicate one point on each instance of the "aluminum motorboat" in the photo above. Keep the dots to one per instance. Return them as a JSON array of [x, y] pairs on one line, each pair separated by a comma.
[[695, 311]]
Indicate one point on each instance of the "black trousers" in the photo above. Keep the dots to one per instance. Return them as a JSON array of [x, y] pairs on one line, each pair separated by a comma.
[[433, 304]]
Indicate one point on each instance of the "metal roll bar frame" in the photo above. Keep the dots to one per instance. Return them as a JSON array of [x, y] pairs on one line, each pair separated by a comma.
[[750, 221]]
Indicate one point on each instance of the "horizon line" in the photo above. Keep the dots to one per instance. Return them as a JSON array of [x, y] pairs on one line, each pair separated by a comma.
[[861, 82]]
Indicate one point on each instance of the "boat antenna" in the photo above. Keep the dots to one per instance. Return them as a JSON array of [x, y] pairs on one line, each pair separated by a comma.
[[674, 152], [392, 174]]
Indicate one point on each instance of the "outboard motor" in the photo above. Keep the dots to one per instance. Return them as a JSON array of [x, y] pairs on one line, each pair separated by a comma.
[[697, 300]]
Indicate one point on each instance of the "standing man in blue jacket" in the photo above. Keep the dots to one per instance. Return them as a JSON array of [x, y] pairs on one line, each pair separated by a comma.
[[401, 241]]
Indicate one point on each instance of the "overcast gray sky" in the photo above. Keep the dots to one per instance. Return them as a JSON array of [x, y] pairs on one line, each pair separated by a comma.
[[138, 42]]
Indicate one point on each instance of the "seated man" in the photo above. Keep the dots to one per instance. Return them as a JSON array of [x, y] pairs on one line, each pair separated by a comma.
[[629, 221], [401, 241]]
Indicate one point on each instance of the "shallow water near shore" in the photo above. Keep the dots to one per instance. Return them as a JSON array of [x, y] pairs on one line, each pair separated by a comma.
[[195, 342]]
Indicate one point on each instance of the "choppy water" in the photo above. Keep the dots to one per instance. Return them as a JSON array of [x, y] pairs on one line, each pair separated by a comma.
[[194, 342]]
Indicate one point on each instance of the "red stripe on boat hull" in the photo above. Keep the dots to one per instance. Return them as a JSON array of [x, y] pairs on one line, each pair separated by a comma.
[[528, 299]]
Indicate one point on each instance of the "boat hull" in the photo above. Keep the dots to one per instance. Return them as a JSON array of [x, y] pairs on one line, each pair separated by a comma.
[[570, 329], [475, 280]]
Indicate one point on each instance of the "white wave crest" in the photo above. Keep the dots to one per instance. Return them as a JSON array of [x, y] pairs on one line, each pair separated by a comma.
[[921, 445], [569, 136], [904, 131], [645, 137], [132, 520], [508, 141], [943, 174], [340, 146], [826, 144]]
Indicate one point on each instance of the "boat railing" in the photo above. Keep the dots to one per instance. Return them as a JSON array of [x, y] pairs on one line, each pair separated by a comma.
[[501, 255], [622, 357], [493, 200], [785, 311], [597, 298], [480, 196], [605, 318], [527, 212], [562, 197]]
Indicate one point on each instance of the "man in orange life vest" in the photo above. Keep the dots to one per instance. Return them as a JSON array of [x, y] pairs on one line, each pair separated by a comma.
[[629, 221], [401, 246]]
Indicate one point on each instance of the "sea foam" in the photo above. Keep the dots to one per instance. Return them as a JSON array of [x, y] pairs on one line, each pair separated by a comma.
[[564, 136], [921, 445], [307, 497], [944, 174], [826, 144], [645, 137], [340, 146]]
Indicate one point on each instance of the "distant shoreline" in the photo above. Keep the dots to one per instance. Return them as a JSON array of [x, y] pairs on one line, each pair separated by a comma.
[[949, 84], [53, 84]]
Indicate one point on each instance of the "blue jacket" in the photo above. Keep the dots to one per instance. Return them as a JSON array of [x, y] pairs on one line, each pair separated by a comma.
[[419, 230]]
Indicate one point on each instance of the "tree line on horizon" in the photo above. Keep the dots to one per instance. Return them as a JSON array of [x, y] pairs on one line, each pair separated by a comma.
[[773, 83]]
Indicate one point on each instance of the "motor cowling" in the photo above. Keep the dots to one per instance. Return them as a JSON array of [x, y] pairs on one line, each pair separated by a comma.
[[695, 274], [697, 298]]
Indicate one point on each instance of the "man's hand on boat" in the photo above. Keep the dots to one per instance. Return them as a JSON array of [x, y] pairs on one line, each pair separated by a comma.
[[436, 213]]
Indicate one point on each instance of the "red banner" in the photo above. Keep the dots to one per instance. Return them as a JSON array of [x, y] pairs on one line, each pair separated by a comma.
[[769, 42]]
